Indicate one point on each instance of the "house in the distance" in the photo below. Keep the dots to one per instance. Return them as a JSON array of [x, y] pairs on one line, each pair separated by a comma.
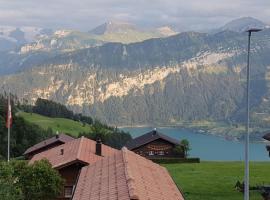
[[267, 137], [126, 176], [155, 145], [47, 144], [70, 157]]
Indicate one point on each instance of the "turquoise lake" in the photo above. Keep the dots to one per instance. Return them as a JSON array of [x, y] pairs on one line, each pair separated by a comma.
[[209, 147]]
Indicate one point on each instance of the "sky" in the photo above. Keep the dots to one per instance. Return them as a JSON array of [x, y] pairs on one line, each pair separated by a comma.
[[87, 14]]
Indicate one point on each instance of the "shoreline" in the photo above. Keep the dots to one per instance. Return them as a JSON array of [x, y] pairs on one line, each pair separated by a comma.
[[198, 131]]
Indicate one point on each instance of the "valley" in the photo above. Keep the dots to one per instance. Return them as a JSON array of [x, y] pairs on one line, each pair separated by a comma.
[[178, 80]]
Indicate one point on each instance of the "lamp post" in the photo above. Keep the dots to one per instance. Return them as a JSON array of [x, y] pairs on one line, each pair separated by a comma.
[[246, 194]]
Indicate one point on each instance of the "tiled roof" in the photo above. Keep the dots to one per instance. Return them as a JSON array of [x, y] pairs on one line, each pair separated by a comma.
[[57, 138], [81, 150], [125, 176], [149, 137]]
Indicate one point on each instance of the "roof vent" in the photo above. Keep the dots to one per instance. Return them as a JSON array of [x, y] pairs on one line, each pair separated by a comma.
[[62, 152], [98, 147]]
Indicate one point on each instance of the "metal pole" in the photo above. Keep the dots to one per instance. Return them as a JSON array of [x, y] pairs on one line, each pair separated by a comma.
[[247, 127], [8, 122]]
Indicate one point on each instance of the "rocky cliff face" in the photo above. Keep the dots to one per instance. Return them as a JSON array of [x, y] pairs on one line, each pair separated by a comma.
[[189, 76]]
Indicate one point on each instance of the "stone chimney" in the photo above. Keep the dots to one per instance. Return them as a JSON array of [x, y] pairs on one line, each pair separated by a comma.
[[98, 147]]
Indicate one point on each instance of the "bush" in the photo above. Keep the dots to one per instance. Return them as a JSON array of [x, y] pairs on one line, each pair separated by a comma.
[[186, 146], [178, 150], [175, 160]]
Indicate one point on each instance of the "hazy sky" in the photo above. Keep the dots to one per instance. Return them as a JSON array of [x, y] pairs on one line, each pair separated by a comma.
[[86, 14]]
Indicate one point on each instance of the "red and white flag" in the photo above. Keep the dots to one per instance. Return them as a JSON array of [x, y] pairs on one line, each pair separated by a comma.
[[9, 115]]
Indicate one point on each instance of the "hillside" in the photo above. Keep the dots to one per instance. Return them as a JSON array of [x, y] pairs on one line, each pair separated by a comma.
[[187, 77], [61, 125], [30, 128]]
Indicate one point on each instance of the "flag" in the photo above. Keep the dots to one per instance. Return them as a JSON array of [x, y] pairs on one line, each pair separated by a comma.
[[9, 115]]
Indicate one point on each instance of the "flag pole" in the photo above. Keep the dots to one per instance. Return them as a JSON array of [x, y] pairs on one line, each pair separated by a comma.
[[8, 122]]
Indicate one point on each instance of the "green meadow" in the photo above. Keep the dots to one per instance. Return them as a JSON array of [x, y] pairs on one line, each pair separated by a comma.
[[216, 180], [56, 124]]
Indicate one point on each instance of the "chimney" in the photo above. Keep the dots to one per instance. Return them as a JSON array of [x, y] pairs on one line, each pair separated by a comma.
[[155, 131], [98, 147], [62, 152], [57, 135]]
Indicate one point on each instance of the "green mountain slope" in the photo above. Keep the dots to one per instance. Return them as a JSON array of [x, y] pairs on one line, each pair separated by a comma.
[[61, 125]]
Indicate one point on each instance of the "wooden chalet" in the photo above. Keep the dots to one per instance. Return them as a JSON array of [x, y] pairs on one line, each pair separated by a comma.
[[94, 171], [70, 157], [154, 145], [267, 137], [47, 144]]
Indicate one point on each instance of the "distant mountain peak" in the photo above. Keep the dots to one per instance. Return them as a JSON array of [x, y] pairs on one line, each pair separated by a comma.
[[112, 27], [242, 24], [166, 31], [62, 33]]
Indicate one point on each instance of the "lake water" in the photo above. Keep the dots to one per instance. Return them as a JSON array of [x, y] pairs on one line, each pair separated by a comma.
[[208, 147]]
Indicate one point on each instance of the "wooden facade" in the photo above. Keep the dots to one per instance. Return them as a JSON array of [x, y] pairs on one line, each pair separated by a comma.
[[70, 174], [157, 148], [155, 145]]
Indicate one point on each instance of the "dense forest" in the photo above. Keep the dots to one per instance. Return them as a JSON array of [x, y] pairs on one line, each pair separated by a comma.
[[25, 134]]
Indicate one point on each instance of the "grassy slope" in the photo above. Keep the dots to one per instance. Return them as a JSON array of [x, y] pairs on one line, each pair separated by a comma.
[[216, 180], [128, 37], [57, 124]]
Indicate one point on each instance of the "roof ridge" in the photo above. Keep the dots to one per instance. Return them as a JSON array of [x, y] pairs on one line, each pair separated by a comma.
[[129, 178], [62, 138], [80, 147]]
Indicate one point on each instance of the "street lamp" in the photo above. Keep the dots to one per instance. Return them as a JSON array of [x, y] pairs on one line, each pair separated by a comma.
[[247, 122]]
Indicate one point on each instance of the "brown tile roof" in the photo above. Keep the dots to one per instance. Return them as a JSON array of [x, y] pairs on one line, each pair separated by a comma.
[[149, 137], [125, 176], [78, 150], [61, 138]]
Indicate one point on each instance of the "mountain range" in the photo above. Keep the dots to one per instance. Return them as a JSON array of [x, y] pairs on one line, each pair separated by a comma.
[[165, 80], [112, 31]]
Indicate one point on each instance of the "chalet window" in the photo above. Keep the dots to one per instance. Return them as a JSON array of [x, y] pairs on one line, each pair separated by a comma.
[[161, 153], [68, 191], [151, 153]]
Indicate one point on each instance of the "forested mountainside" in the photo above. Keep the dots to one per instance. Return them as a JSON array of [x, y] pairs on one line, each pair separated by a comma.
[[45, 119], [185, 77]]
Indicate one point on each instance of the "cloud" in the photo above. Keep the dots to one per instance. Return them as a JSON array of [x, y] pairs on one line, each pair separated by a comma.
[[86, 14]]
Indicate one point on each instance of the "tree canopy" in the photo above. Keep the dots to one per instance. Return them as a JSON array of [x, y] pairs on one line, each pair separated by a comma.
[[186, 146], [22, 181]]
